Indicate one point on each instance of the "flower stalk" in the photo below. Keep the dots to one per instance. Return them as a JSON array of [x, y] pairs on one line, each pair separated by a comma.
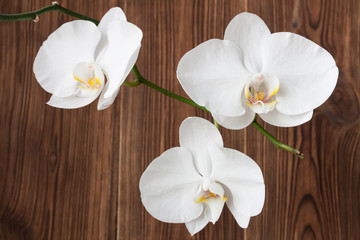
[[139, 79], [55, 7], [276, 142], [216, 124]]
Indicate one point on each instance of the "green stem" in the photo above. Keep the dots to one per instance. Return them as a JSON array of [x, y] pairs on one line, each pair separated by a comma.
[[139, 79], [35, 14], [216, 123], [276, 142]]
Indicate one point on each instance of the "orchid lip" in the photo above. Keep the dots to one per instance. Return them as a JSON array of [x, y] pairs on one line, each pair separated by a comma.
[[260, 92], [213, 201], [214, 205]]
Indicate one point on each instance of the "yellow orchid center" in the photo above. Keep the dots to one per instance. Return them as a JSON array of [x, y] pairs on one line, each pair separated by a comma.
[[91, 83], [260, 91], [89, 79], [207, 196]]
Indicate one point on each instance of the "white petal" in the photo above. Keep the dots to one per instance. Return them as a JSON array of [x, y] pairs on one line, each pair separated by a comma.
[[114, 14], [121, 54], [243, 177], [71, 102], [197, 224], [278, 119], [307, 72], [249, 32], [168, 187], [248, 196], [103, 102], [213, 75], [106, 102], [242, 221], [235, 122], [70, 44], [201, 138]]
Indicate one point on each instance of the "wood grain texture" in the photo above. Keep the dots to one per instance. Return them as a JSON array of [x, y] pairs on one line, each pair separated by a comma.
[[73, 174]]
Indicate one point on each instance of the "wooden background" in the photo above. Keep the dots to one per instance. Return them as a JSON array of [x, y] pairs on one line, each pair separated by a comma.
[[73, 174]]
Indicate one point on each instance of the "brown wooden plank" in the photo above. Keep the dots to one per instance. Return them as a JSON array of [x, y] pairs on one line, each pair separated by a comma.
[[73, 174]]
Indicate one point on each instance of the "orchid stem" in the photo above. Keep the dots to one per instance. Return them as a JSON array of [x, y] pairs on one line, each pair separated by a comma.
[[276, 142], [55, 7], [139, 79], [216, 124]]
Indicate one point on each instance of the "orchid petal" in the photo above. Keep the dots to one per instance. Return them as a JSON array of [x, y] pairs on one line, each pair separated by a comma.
[[249, 32], [71, 102], [122, 52], [307, 72], [106, 102], [248, 196], [279, 119], [70, 44], [243, 177], [114, 14], [212, 74], [242, 221], [201, 138], [235, 122], [197, 224], [168, 187]]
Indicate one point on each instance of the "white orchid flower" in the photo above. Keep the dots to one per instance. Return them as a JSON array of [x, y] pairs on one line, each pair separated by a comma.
[[190, 184], [281, 76], [75, 60]]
